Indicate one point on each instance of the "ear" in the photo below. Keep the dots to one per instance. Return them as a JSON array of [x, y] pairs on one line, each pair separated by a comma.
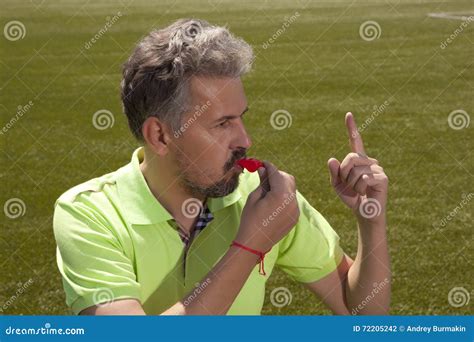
[[156, 135]]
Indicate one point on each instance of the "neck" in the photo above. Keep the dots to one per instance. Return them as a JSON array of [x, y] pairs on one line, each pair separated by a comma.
[[164, 184]]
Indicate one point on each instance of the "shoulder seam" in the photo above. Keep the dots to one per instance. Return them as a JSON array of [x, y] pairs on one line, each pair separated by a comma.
[[88, 186]]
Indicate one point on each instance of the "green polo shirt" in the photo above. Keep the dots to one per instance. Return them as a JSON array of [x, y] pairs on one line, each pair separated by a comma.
[[115, 240]]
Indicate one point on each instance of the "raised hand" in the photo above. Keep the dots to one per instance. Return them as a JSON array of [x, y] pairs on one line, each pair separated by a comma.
[[359, 181]]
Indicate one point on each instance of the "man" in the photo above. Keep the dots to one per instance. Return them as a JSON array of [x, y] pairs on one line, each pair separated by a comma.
[[182, 229]]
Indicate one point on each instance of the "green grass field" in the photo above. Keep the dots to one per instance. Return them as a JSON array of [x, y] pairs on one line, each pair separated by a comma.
[[317, 69]]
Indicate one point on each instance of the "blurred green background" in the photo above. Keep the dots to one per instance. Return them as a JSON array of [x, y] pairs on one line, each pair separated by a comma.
[[319, 68]]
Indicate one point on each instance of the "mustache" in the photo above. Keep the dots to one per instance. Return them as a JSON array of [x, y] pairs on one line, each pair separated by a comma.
[[239, 154]]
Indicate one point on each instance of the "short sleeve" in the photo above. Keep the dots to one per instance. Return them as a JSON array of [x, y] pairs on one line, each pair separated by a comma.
[[311, 250], [90, 258]]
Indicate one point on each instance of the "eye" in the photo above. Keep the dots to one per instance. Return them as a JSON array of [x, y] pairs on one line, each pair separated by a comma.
[[224, 123]]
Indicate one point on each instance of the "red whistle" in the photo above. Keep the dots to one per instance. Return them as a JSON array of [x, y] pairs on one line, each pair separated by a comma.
[[251, 164]]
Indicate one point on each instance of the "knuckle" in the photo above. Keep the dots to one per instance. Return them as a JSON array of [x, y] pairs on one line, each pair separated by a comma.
[[293, 182], [353, 155], [376, 167], [290, 180]]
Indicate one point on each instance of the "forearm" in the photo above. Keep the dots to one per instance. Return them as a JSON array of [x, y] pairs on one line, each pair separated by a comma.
[[220, 287], [368, 285]]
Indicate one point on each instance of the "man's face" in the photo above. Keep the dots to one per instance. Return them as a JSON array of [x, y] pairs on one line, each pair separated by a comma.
[[212, 137]]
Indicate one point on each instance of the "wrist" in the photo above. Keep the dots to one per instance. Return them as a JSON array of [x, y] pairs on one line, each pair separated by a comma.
[[371, 223], [258, 253], [243, 256], [371, 214]]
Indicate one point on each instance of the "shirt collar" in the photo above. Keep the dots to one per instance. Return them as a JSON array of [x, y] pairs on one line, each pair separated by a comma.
[[141, 207]]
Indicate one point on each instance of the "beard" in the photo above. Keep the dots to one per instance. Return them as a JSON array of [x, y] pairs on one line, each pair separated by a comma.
[[221, 188]]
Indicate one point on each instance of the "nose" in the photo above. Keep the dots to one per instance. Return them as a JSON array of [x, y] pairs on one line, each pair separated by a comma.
[[242, 139]]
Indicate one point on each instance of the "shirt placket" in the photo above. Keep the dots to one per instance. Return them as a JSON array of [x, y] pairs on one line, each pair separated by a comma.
[[205, 217]]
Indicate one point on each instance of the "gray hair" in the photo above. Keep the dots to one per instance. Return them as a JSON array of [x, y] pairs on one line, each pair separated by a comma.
[[155, 77]]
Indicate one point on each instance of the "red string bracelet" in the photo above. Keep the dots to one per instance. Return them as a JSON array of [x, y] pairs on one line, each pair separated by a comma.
[[260, 254]]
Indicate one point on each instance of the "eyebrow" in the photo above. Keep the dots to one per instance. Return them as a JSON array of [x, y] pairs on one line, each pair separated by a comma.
[[227, 117]]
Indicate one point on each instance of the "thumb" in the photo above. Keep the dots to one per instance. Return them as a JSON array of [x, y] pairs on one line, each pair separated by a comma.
[[334, 165]]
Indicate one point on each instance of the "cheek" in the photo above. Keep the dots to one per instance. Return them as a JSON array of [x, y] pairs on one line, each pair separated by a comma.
[[211, 138], [208, 153]]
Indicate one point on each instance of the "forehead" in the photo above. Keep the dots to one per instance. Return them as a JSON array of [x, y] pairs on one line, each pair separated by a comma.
[[223, 96]]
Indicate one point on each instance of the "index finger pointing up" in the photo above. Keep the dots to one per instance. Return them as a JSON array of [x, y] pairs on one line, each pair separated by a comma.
[[354, 137]]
